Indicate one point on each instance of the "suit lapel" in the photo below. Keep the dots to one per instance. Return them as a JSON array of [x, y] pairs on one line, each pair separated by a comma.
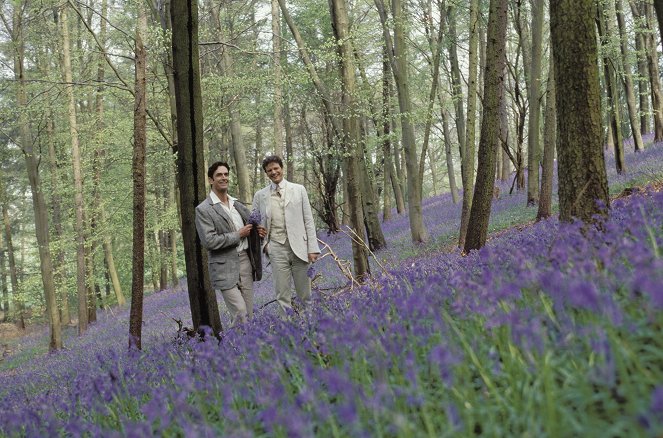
[[218, 208]]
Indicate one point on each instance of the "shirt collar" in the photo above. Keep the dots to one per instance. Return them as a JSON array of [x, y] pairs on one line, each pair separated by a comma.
[[281, 185], [215, 199]]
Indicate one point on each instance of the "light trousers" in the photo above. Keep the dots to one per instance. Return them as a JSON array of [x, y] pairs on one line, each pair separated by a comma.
[[286, 266], [239, 298]]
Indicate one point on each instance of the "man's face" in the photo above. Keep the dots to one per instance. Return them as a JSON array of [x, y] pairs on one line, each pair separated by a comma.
[[274, 172], [219, 180]]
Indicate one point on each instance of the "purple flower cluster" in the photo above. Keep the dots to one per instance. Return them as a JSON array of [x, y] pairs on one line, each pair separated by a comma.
[[551, 329], [254, 217]]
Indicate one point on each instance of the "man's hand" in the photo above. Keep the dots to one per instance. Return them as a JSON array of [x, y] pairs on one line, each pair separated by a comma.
[[262, 231], [245, 230], [313, 256]]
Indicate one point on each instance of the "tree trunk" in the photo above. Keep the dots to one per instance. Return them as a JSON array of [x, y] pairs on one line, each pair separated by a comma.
[[534, 97], [467, 158], [390, 170], [3, 282], [549, 141], [138, 172], [628, 78], [191, 178], [352, 140], [651, 45], [79, 224], [449, 157], [11, 258], [643, 82], [490, 127], [38, 202], [583, 184], [278, 84], [397, 52], [612, 93]]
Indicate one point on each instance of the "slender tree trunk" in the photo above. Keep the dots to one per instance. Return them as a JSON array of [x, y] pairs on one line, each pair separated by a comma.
[[534, 92], [11, 258], [278, 84], [238, 150], [190, 160], [628, 78], [138, 172], [38, 201], [654, 76], [3, 282], [643, 82], [387, 145], [583, 184], [351, 136], [56, 217], [449, 157], [397, 52], [490, 127], [549, 141], [612, 94], [79, 224], [167, 62], [467, 165]]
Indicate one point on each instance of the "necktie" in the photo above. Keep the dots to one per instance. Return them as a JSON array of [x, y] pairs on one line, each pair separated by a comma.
[[278, 191]]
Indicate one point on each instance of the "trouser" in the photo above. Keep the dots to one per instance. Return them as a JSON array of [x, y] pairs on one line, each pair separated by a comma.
[[286, 266], [239, 298]]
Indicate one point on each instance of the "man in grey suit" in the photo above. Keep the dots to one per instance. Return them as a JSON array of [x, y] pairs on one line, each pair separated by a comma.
[[291, 243], [221, 222]]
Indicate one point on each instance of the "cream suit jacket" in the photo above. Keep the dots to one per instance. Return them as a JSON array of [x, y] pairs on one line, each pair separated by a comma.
[[299, 223]]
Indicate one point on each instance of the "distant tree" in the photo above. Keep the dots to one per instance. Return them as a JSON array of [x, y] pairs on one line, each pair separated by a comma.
[[391, 179], [606, 31], [11, 258], [397, 53], [79, 222], [627, 72], [138, 173], [549, 141], [38, 202], [4, 290], [658, 5], [489, 141], [534, 98], [345, 130], [583, 184], [191, 172]]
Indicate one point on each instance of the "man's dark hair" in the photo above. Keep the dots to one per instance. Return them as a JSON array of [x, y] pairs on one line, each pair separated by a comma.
[[271, 159], [216, 165]]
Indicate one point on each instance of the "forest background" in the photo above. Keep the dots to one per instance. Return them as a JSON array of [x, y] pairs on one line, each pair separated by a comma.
[[373, 107]]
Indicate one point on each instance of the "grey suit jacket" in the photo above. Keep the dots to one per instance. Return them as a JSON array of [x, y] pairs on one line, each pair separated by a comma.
[[217, 234], [299, 223]]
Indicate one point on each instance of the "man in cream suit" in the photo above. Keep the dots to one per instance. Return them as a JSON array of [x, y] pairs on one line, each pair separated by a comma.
[[291, 243], [221, 222]]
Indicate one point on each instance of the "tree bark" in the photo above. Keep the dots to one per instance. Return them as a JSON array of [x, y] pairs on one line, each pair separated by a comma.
[[352, 141], [612, 93], [138, 172], [467, 158], [397, 52], [549, 141], [79, 224], [489, 142], [11, 259], [190, 160], [628, 78], [534, 92], [583, 184], [38, 201], [278, 83]]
